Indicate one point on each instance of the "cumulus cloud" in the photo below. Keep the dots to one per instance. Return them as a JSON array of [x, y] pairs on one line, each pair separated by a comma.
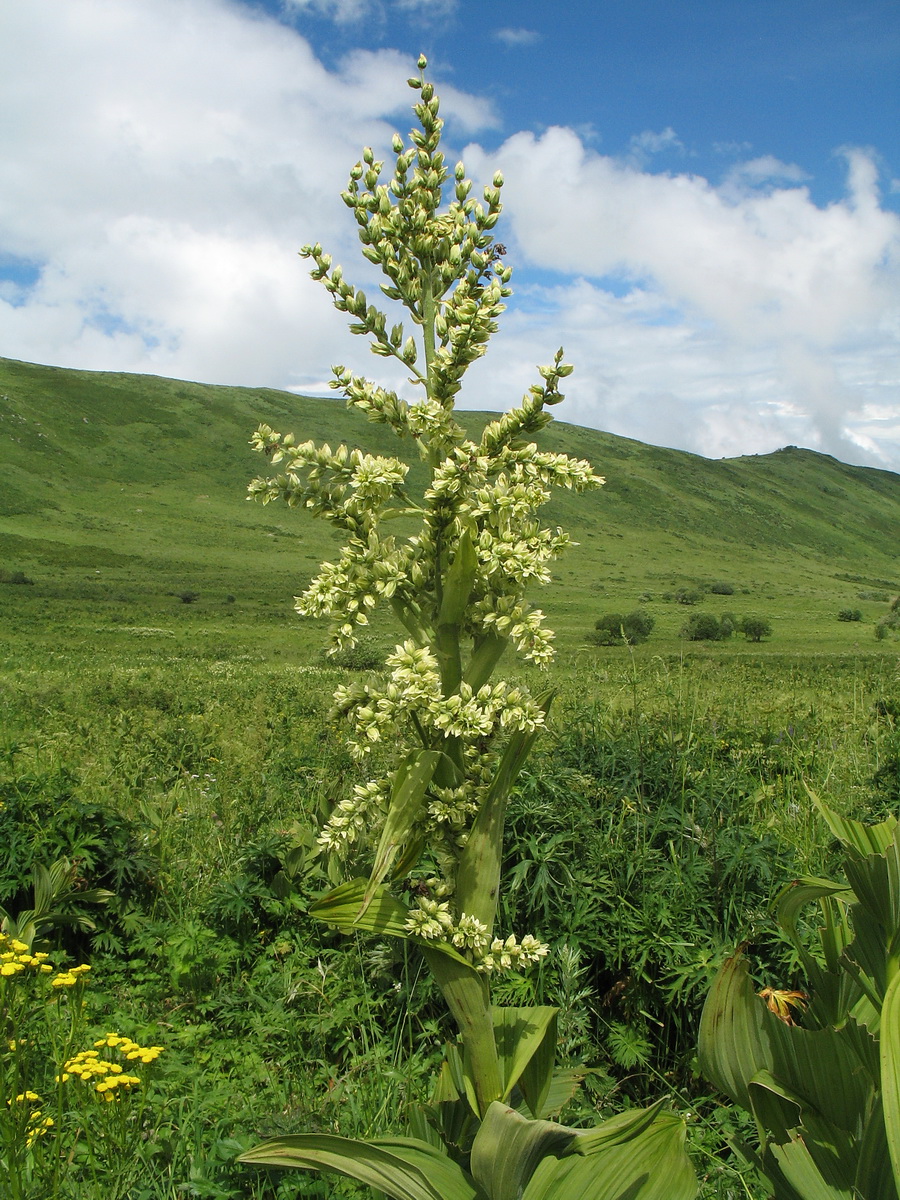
[[750, 317], [167, 161]]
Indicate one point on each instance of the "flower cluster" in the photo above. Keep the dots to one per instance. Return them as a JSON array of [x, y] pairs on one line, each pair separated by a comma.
[[69, 977], [432, 920], [109, 1079], [15, 956], [511, 955], [37, 1124], [414, 689]]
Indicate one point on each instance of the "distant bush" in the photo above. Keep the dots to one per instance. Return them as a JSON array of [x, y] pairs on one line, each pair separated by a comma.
[[614, 629], [755, 629], [188, 597], [880, 597], [720, 588], [849, 614], [366, 655], [702, 627], [14, 577], [688, 596]]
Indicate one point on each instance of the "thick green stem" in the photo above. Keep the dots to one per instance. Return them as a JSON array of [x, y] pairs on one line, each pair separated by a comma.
[[429, 312], [468, 998]]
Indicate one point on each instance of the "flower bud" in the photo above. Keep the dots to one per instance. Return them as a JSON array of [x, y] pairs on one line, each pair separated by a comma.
[[397, 144], [422, 63]]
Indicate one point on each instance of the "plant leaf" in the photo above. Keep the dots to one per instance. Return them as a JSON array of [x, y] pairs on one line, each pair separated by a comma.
[[459, 581], [618, 1130], [890, 1069], [341, 907], [411, 780], [866, 839], [523, 1035], [508, 1148], [739, 1037], [403, 1168], [652, 1165], [466, 993]]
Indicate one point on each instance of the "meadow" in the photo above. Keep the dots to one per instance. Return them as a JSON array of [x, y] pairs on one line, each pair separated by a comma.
[[164, 727]]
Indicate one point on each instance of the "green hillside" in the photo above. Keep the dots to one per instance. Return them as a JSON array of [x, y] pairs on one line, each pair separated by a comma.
[[120, 493]]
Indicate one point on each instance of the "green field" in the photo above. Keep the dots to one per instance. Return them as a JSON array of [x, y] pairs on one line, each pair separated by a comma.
[[180, 753]]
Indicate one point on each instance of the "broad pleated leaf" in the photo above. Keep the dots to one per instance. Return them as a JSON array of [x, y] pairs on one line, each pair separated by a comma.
[[787, 1117], [564, 1083], [487, 653], [407, 801], [866, 839], [875, 878], [403, 1168], [739, 1037], [875, 1172], [798, 1167], [616, 1131], [651, 1166], [793, 898], [523, 1034], [508, 1148], [340, 907], [890, 1069]]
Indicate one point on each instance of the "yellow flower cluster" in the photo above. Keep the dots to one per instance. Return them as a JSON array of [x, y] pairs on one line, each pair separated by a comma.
[[15, 956], [109, 1078], [38, 1124], [129, 1049], [69, 977]]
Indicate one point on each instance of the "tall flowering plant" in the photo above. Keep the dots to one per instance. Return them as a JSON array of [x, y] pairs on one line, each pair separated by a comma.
[[433, 821]]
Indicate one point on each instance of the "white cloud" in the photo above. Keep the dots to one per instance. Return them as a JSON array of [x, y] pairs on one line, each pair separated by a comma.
[[517, 37], [754, 318], [645, 144], [167, 161], [348, 12]]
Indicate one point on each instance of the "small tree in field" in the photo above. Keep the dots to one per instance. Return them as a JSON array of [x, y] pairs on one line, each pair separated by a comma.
[[702, 627], [755, 629], [429, 827], [613, 629]]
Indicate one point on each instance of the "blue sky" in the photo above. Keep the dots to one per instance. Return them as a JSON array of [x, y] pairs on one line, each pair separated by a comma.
[[702, 199], [795, 79]]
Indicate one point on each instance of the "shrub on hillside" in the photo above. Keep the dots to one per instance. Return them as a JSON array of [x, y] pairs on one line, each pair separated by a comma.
[[14, 577], [721, 588], [849, 614], [613, 629], [688, 596], [702, 627], [755, 629]]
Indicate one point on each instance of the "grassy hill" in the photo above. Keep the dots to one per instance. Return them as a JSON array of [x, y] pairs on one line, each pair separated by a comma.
[[120, 494]]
